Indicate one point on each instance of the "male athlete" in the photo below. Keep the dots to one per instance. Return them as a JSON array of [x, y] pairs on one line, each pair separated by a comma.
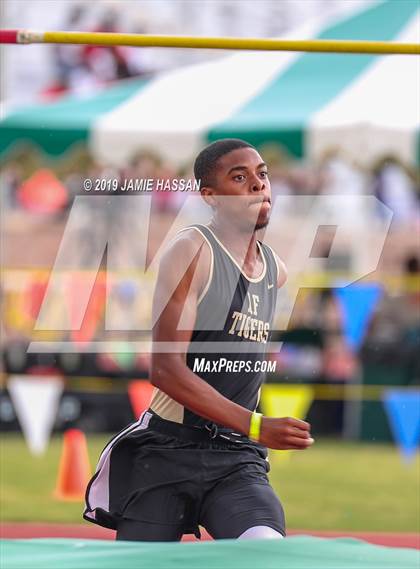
[[198, 455]]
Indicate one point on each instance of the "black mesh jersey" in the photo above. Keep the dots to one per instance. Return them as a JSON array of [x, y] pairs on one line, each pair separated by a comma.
[[232, 329]]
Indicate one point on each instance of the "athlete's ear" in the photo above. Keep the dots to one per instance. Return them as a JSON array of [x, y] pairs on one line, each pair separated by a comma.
[[208, 196]]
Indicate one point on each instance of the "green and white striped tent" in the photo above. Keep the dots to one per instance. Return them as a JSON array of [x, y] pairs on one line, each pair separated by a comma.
[[366, 105]]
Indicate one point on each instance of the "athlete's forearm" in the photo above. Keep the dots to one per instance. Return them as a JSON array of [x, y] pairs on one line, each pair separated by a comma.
[[170, 374]]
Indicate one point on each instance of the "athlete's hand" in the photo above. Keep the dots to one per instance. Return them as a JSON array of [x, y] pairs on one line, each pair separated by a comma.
[[286, 433]]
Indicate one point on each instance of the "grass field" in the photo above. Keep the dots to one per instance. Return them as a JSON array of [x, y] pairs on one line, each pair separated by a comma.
[[333, 486]]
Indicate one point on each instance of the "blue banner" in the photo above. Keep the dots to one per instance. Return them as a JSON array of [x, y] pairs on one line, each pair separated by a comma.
[[357, 303], [403, 410]]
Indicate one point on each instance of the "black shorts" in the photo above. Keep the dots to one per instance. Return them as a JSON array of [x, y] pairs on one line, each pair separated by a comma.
[[171, 479]]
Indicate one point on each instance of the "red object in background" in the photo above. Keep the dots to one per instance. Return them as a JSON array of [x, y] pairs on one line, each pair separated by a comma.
[[74, 471], [43, 193], [140, 393], [34, 296], [53, 92], [38, 370], [76, 290]]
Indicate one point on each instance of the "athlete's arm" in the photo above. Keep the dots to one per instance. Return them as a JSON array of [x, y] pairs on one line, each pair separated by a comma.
[[271, 427], [175, 300]]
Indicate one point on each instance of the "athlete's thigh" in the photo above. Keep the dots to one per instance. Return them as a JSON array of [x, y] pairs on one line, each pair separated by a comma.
[[234, 506], [133, 530]]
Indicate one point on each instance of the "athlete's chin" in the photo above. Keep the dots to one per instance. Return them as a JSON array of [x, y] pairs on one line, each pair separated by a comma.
[[261, 225]]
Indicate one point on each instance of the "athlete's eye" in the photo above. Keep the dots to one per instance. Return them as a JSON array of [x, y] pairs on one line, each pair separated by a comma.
[[264, 174], [239, 178]]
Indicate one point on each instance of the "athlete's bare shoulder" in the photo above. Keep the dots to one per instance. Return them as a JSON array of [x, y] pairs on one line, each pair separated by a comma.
[[189, 235], [188, 252], [190, 241]]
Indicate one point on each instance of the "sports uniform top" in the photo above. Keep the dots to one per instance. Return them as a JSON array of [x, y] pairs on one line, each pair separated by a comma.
[[231, 332]]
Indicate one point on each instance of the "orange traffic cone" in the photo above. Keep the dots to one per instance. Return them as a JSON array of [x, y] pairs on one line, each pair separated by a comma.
[[74, 470], [140, 393]]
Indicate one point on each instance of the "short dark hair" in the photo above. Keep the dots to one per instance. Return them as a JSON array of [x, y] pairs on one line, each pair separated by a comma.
[[206, 161]]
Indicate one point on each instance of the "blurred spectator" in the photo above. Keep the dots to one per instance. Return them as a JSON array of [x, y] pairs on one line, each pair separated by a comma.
[[107, 63], [81, 69], [344, 179], [10, 180], [339, 362], [393, 185], [67, 58], [395, 188]]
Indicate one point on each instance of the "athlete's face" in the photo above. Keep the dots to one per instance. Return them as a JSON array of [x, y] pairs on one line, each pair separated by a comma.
[[242, 173]]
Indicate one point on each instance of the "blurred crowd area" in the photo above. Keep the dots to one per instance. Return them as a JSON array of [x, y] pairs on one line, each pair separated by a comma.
[[81, 69], [29, 185], [37, 200]]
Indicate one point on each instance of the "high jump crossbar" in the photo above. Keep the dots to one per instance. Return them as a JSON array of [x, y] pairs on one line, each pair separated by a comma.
[[253, 44]]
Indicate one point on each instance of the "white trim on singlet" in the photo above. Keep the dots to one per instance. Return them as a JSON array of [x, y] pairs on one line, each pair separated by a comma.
[[250, 279], [276, 261]]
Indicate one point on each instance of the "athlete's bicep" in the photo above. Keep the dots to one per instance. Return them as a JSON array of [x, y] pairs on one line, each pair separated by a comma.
[[180, 281], [174, 308], [173, 298], [174, 313]]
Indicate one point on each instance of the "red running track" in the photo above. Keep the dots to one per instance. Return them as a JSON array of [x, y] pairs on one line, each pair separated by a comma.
[[91, 531]]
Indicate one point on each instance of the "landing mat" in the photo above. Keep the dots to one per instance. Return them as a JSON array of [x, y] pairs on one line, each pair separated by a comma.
[[296, 552]]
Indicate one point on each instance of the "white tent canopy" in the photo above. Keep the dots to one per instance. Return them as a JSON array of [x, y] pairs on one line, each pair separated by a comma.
[[363, 105]]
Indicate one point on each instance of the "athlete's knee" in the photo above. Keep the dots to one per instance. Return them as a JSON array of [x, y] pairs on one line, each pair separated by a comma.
[[260, 532]]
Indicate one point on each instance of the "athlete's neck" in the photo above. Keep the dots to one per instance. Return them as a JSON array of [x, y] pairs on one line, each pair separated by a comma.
[[242, 245]]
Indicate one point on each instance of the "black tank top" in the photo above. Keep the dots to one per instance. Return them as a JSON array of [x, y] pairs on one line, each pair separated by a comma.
[[233, 327]]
